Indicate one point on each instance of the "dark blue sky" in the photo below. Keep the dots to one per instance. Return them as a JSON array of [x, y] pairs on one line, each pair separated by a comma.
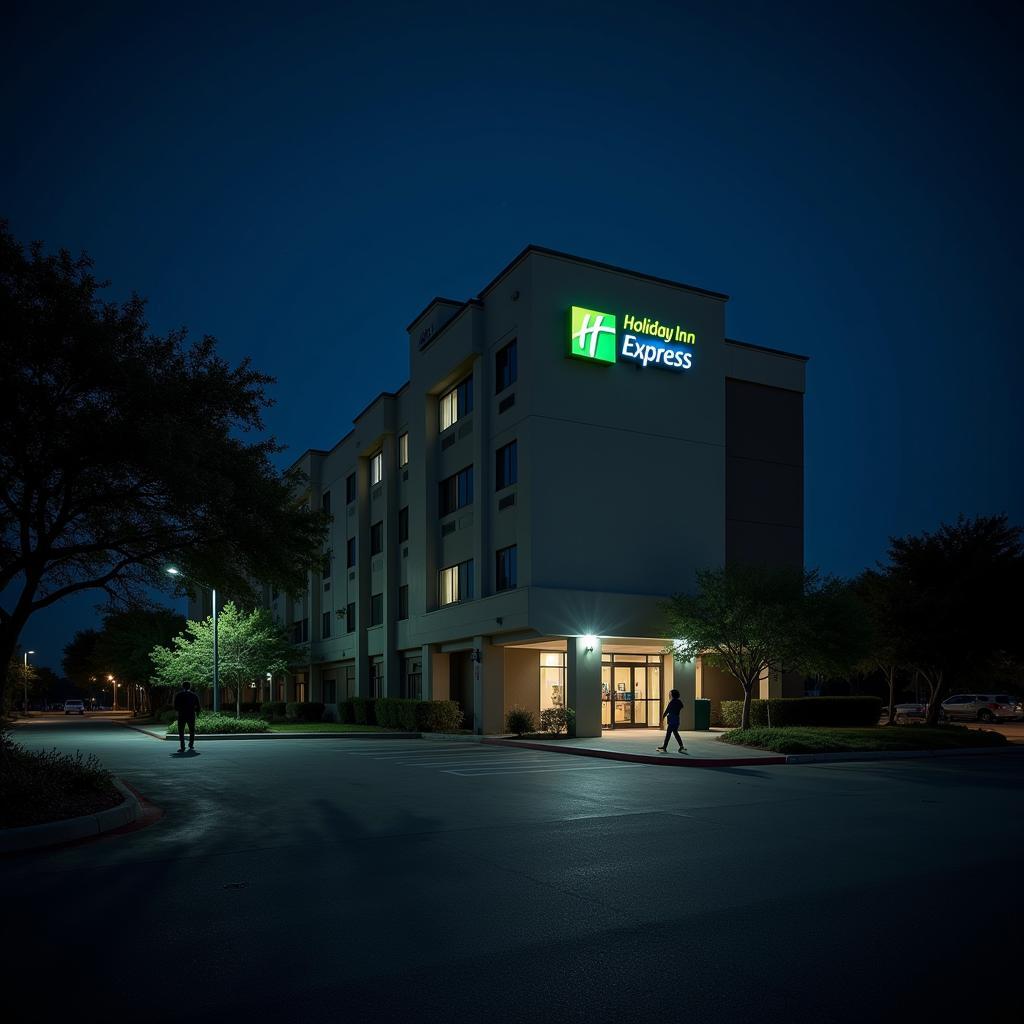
[[299, 180]]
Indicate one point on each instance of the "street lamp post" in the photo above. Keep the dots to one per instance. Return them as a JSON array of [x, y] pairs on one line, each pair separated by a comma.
[[27, 653], [216, 658]]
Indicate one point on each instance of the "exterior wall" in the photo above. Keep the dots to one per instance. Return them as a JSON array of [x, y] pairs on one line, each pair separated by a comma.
[[629, 479]]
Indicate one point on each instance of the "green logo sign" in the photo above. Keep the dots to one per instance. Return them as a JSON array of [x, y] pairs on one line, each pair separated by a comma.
[[592, 335]]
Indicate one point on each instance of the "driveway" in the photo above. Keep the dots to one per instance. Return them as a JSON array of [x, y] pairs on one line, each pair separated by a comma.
[[422, 881]]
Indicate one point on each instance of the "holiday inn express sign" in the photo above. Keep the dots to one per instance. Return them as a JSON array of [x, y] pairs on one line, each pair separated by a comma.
[[594, 335]]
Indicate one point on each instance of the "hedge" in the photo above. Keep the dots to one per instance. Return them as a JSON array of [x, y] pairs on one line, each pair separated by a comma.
[[273, 710], [407, 715], [840, 711], [304, 711], [208, 722], [362, 710]]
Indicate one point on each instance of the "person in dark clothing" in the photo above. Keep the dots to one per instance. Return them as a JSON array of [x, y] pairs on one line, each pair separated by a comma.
[[186, 703], [671, 712]]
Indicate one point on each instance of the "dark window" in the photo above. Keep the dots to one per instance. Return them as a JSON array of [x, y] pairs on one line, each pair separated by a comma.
[[403, 524], [505, 367], [330, 691], [325, 502], [325, 566], [350, 553], [412, 678], [377, 538], [350, 488], [376, 609], [350, 619], [300, 631], [506, 575], [403, 602], [325, 629], [377, 679], [455, 492], [506, 465]]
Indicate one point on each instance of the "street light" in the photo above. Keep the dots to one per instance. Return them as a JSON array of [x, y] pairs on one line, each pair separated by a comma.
[[113, 687], [27, 653], [173, 571]]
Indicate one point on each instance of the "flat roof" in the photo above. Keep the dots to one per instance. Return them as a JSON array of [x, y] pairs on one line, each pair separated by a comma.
[[765, 348]]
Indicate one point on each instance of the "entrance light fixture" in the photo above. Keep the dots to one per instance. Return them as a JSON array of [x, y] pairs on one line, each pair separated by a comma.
[[589, 643]]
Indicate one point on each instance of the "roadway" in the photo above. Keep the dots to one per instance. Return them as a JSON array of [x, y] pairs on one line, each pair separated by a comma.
[[384, 880]]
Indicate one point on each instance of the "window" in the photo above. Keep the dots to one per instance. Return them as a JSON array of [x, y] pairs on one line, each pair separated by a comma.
[[403, 449], [350, 553], [325, 628], [350, 618], [412, 678], [506, 465], [506, 576], [330, 691], [552, 680], [377, 678], [350, 488], [325, 502], [506, 367], [325, 566], [377, 538], [376, 468], [456, 403], [403, 601], [455, 492], [300, 631], [376, 609], [456, 583], [403, 524]]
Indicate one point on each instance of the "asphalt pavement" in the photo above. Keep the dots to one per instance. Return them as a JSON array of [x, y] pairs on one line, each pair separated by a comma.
[[406, 880]]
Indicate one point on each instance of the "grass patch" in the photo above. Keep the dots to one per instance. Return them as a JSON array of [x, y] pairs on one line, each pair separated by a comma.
[[825, 740], [37, 787]]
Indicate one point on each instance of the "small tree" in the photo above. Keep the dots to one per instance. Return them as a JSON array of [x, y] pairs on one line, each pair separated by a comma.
[[878, 600], [749, 619], [249, 645]]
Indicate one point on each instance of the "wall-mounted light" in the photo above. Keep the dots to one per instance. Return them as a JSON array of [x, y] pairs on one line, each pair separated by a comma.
[[589, 643], [476, 654]]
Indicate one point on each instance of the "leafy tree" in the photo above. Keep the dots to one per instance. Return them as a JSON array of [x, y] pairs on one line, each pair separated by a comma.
[[249, 646], [747, 619], [956, 603], [878, 598], [124, 644], [79, 660], [121, 452]]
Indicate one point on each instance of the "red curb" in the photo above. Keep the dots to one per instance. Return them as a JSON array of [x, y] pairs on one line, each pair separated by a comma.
[[614, 755], [149, 814]]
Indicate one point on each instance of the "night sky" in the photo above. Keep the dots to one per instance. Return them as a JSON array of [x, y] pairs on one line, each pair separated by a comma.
[[299, 180]]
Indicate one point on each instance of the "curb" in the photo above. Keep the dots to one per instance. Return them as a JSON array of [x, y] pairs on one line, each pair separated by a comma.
[[35, 837], [613, 755], [173, 737], [895, 755]]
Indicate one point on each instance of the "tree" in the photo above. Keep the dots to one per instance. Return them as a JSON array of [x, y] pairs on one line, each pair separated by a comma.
[[748, 619], [124, 644], [955, 601], [121, 452], [249, 646]]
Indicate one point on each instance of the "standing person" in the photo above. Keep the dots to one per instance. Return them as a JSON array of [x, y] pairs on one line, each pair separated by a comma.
[[186, 703], [671, 712]]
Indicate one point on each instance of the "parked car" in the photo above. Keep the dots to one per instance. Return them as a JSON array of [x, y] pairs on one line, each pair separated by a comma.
[[910, 713], [74, 707], [981, 707]]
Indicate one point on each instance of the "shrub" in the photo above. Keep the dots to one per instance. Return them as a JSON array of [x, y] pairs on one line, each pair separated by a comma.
[[304, 711], [208, 722], [784, 711], [519, 720], [557, 720], [396, 713], [438, 715], [166, 716], [345, 711], [273, 711], [363, 711]]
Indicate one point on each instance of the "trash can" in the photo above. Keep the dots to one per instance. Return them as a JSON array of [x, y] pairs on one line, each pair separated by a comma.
[[702, 714]]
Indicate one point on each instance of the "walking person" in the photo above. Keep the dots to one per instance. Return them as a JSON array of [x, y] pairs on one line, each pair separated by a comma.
[[186, 703], [671, 712]]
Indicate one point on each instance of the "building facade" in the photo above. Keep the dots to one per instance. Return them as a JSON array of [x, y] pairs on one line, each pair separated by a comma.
[[570, 447]]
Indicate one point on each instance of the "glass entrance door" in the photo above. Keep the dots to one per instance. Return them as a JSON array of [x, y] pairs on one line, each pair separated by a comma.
[[630, 693]]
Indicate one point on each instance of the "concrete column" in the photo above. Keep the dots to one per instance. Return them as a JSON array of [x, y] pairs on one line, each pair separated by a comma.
[[583, 685], [488, 687], [683, 675], [769, 684], [427, 671]]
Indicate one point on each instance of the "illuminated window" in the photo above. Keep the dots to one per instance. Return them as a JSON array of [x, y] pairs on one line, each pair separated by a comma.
[[456, 583], [403, 449], [456, 403], [376, 468], [552, 680]]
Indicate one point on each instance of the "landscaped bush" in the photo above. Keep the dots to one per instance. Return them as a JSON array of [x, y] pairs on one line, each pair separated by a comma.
[[363, 711], [166, 716], [304, 711], [208, 722], [557, 720], [438, 715], [273, 711], [519, 720], [345, 711], [784, 711], [396, 713]]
